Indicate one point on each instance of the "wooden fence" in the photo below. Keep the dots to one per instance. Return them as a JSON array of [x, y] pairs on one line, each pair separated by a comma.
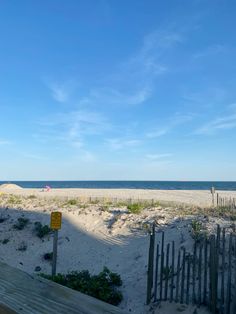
[[204, 276], [229, 202]]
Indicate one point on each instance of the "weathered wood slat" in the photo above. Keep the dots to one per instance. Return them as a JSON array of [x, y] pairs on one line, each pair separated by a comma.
[[30, 294]]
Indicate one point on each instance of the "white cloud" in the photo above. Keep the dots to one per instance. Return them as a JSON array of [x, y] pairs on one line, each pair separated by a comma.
[[158, 156], [210, 51], [120, 143], [4, 142], [218, 124], [172, 122], [157, 133], [59, 93]]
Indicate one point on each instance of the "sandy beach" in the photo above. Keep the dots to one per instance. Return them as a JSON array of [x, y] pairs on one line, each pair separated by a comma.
[[190, 197], [99, 234]]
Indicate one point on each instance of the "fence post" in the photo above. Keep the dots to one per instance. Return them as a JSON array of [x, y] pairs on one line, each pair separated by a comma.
[[182, 278], [167, 271], [150, 265], [213, 292], [162, 263], [194, 272], [205, 271], [228, 295], [177, 279], [156, 274], [172, 271]]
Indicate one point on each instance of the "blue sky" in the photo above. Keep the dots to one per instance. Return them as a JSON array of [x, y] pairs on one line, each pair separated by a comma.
[[106, 89]]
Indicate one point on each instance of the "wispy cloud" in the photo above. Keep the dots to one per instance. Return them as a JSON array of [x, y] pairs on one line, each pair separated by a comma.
[[132, 81], [4, 142], [157, 133], [218, 124], [158, 156], [210, 51], [61, 91], [171, 123], [120, 143], [72, 127]]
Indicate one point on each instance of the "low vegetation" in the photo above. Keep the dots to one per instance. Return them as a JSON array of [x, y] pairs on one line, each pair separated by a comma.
[[14, 200], [22, 247], [40, 230], [31, 197], [197, 230], [135, 208], [5, 241], [48, 256], [72, 202], [21, 223], [102, 286]]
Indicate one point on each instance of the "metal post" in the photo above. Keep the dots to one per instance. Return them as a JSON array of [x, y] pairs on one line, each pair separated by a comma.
[[54, 259]]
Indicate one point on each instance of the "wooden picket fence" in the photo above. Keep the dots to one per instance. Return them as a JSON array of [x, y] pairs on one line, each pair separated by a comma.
[[229, 202], [204, 276]]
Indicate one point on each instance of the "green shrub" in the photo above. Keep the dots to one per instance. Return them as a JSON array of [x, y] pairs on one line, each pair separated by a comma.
[[21, 223], [48, 256], [2, 219], [14, 200], [5, 241], [22, 247], [41, 230], [135, 208], [72, 202], [102, 286], [197, 230], [31, 197]]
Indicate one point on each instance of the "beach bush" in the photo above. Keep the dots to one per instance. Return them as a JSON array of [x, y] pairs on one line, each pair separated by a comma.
[[102, 286], [5, 241], [48, 256], [197, 230], [22, 247], [14, 200], [31, 197], [72, 202], [41, 230], [21, 223], [2, 219], [135, 208]]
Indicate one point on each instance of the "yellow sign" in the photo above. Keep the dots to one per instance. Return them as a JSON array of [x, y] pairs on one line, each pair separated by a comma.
[[55, 223]]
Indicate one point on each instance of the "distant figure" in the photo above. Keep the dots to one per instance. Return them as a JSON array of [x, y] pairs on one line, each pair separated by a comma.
[[47, 188]]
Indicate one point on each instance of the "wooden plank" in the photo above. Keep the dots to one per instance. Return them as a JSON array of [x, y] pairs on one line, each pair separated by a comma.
[[222, 299], [150, 266], [162, 263], [167, 271], [177, 279], [194, 272], [213, 299], [228, 294], [156, 274], [200, 275], [188, 278], [24, 293], [172, 272], [205, 271], [183, 277]]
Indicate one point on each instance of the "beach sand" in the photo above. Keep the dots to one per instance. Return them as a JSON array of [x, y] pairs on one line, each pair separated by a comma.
[[191, 197], [97, 235]]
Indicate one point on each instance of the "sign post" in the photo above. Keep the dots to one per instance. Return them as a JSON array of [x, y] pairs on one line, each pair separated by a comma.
[[55, 225]]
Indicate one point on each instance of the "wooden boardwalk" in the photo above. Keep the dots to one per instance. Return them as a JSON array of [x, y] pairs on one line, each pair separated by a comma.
[[30, 294]]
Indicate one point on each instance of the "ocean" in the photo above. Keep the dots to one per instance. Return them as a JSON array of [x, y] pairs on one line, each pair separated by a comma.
[[149, 185]]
